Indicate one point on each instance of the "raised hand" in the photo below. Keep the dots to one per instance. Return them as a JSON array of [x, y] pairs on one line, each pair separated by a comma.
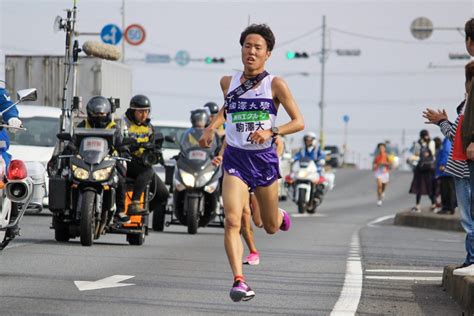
[[434, 116]]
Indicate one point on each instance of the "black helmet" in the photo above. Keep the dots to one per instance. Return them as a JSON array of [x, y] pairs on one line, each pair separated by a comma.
[[99, 112], [140, 102], [213, 107], [424, 133], [199, 115]]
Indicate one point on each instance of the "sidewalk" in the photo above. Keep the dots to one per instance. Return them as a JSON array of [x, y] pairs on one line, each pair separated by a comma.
[[461, 289], [428, 219]]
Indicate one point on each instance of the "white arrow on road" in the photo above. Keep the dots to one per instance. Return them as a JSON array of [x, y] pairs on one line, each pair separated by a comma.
[[112, 281]]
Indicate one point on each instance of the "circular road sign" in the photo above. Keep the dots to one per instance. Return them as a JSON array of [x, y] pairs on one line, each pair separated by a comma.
[[111, 34], [135, 34], [421, 28], [345, 118], [182, 58]]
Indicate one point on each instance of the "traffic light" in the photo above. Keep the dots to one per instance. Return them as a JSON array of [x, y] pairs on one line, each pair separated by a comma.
[[293, 55], [214, 60]]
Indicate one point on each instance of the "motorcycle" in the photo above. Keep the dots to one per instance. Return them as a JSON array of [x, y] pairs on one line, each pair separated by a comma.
[[16, 187], [308, 184], [83, 203], [195, 185]]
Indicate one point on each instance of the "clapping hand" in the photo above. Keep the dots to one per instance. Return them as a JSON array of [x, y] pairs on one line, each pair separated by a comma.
[[434, 116]]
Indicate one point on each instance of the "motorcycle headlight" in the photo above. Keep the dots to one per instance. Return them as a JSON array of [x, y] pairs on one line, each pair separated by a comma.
[[188, 179], [102, 174], [302, 174], [204, 178], [211, 187], [80, 173]]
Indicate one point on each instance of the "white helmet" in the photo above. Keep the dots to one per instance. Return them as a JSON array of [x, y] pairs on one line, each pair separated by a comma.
[[310, 135]]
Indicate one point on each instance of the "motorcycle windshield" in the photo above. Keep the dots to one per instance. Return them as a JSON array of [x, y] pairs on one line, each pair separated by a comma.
[[194, 159], [191, 138], [93, 149]]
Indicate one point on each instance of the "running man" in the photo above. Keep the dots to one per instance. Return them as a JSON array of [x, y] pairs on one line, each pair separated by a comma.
[[250, 161]]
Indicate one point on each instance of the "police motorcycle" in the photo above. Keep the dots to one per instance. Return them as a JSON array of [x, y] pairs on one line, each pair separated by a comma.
[[195, 185], [16, 187], [308, 184], [85, 188], [306, 178]]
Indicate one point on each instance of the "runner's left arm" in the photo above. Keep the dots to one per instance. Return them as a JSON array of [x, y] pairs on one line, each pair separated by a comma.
[[282, 95]]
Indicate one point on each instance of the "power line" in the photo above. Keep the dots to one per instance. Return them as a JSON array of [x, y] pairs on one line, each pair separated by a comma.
[[298, 37], [390, 40]]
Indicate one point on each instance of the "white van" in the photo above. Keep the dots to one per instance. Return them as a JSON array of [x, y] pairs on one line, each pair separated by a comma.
[[36, 144]]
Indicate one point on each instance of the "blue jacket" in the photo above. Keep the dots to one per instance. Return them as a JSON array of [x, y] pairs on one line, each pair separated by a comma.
[[5, 102], [314, 154], [442, 158]]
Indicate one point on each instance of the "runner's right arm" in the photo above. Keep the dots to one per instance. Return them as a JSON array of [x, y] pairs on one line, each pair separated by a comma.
[[208, 135]]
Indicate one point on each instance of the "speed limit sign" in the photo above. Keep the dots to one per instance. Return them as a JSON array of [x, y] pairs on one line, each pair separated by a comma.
[[134, 34]]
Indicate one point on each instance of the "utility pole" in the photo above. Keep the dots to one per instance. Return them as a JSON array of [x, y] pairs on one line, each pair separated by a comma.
[[323, 54], [321, 101], [123, 30]]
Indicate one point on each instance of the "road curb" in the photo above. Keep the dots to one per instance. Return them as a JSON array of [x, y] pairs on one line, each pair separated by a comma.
[[461, 289], [427, 219]]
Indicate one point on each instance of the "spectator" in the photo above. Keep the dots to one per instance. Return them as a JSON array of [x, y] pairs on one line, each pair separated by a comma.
[[457, 166], [446, 181], [423, 175]]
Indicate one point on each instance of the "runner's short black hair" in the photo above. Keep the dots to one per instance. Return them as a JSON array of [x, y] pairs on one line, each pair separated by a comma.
[[469, 29], [261, 29]]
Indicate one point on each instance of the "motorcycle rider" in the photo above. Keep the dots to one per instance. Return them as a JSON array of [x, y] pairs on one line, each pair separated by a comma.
[[137, 123], [213, 111], [199, 120], [99, 115], [11, 117], [310, 150]]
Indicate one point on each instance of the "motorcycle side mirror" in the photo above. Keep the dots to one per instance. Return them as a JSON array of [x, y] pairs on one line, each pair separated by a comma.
[[170, 139], [159, 138], [64, 136], [27, 95]]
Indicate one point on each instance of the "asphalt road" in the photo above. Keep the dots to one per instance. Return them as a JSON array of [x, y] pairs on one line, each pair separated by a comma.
[[345, 258]]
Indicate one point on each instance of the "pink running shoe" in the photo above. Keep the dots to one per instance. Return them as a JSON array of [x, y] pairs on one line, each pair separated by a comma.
[[240, 291], [286, 224], [252, 259]]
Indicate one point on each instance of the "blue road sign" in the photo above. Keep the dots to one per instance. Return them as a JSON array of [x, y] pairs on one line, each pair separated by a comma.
[[345, 118], [111, 34], [182, 58]]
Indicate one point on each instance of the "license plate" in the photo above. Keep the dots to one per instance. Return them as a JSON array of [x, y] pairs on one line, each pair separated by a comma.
[[93, 144], [197, 155]]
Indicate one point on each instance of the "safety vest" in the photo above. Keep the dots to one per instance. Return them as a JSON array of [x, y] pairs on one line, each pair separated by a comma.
[[141, 133]]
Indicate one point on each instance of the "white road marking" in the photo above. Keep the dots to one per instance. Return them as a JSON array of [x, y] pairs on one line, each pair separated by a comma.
[[403, 271], [110, 282], [352, 289], [308, 215], [403, 278], [380, 219], [445, 240]]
